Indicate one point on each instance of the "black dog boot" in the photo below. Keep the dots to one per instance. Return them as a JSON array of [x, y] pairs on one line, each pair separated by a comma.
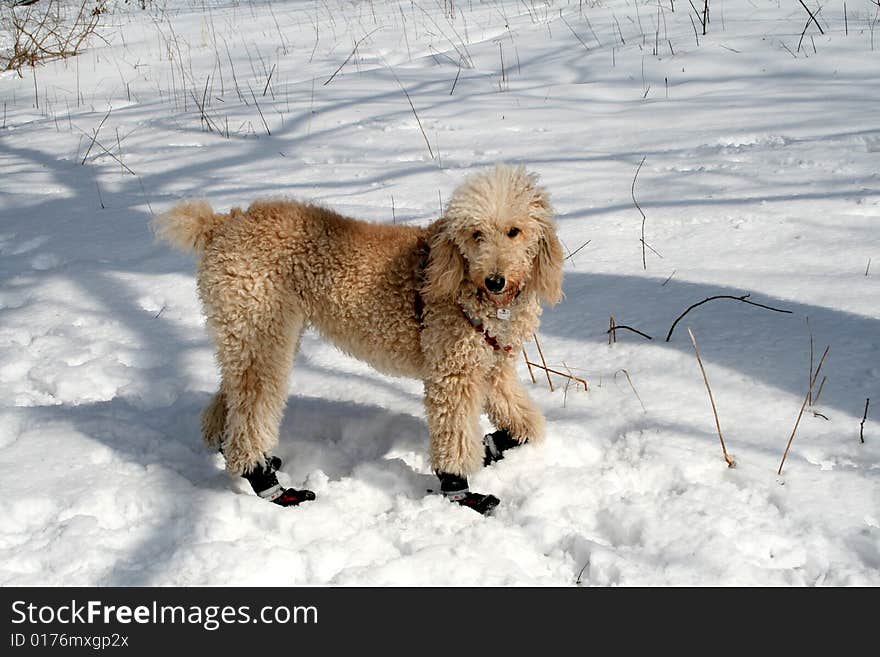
[[496, 444], [265, 484], [455, 489]]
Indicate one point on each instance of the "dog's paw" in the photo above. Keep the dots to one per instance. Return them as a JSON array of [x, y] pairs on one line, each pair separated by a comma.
[[455, 489], [265, 484], [293, 497], [496, 444], [484, 504]]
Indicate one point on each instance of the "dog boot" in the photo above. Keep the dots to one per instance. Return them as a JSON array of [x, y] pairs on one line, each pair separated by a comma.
[[455, 489], [265, 484], [496, 444]]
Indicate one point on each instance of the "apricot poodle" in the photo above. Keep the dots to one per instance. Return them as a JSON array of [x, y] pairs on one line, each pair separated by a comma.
[[450, 304]]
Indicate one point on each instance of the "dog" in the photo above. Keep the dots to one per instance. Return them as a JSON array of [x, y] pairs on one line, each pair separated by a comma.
[[450, 304]]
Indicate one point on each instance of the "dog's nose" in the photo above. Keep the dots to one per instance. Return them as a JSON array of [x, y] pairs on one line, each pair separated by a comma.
[[495, 283]]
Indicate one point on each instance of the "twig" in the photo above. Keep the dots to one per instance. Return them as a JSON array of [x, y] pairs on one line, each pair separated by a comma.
[[415, 114], [568, 376], [635, 392], [4, 123], [577, 249], [821, 31], [864, 417], [618, 327], [95, 136], [567, 384], [350, 55], [528, 364], [803, 33], [821, 415], [639, 208], [265, 125], [612, 336], [663, 284], [790, 438], [722, 296], [810, 377], [782, 43], [455, 81], [816, 376], [544, 362], [100, 198], [269, 79], [730, 463], [819, 392], [106, 151], [801, 413], [576, 36]]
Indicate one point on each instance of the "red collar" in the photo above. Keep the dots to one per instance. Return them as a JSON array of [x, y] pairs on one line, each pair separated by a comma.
[[490, 339]]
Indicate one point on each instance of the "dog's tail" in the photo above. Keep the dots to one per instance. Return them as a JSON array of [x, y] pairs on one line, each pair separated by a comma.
[[188, 226]]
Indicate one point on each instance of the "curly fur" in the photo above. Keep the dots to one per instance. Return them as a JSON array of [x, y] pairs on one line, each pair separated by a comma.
[[267, 272]]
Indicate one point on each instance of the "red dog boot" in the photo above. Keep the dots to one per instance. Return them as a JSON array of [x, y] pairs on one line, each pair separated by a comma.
[[455, 489], [265, 484]]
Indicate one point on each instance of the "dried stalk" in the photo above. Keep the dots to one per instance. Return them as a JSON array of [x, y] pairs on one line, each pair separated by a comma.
[[40, 35], [730, 462], [631, 385], [801, 413], [568, 376], [544, 362], [350, 55], [528, 364]]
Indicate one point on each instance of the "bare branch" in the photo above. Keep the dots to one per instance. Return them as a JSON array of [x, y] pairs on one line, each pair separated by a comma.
[[618, 327], [722, 296], [639, 208], [350, 55], [812, 16]]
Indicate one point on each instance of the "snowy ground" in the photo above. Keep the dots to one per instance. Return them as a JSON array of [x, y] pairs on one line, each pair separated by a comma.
[[760, 176]]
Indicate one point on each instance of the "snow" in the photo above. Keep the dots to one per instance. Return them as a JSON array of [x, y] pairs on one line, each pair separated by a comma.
[[760, 176]]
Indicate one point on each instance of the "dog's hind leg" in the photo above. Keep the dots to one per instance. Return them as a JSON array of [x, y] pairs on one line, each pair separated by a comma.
[[256, 360]]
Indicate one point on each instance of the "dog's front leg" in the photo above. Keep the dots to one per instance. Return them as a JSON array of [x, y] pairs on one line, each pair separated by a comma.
[[509, 406], [453, 401], [512, 411]]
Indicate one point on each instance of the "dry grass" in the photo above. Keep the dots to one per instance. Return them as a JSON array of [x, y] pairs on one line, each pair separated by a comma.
[[45, 31]]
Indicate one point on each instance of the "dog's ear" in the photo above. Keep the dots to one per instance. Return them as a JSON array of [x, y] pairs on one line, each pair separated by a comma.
[[446, 268], [547, 266]]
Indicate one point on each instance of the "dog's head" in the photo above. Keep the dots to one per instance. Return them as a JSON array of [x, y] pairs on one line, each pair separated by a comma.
[[498, 235]]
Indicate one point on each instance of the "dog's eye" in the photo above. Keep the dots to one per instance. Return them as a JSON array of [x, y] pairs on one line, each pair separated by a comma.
[[513, 232], [477, 235]]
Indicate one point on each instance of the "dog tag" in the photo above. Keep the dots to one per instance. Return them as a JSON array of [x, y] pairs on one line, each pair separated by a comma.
[[503, 313]]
